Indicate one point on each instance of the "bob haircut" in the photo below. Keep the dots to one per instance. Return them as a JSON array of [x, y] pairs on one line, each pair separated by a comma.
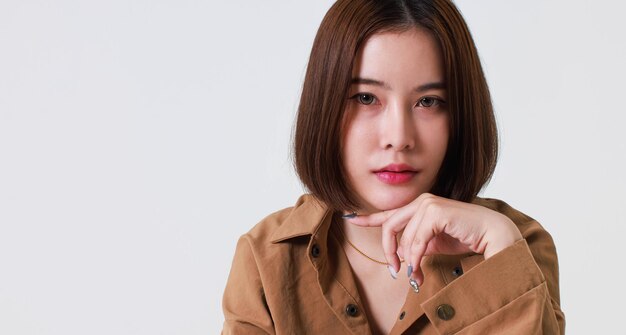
[[472, 149]]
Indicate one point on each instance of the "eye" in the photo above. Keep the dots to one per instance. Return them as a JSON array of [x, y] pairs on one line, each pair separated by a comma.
[[429, 102], [364, 98]]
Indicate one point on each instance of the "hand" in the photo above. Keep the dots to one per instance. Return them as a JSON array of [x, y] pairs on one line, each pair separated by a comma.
[[435, 225]]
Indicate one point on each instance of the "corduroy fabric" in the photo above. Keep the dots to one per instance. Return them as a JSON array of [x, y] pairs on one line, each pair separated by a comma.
[[279, 285]]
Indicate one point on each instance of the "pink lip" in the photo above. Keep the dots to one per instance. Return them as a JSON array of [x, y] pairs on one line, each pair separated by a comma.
[[396, 174]]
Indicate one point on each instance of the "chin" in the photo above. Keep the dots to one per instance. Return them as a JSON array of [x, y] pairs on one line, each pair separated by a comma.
[[391, 200]]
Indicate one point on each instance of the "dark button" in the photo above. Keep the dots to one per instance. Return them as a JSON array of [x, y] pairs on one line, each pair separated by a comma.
[[457, 271], [315, 250], [352, 310], [445, 312], [402, 315]]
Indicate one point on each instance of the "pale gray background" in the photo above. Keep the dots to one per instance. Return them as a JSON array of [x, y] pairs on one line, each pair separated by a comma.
[[139, 139]]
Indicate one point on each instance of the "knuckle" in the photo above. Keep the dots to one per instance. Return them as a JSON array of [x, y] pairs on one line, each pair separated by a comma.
[[425, 195], [422, 197], [433, 207], [390, 229], [428, 201]]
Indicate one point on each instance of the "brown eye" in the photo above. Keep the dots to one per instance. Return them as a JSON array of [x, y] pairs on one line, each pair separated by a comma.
[[365, 99], [428, 102]]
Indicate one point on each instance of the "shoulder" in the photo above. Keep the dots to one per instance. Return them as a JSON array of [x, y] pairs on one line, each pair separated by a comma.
[[298, 220], [283, 229], [263, 231], [540, 242], [276, 246]]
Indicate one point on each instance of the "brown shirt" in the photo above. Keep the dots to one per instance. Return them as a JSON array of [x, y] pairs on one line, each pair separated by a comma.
[[291, 276]]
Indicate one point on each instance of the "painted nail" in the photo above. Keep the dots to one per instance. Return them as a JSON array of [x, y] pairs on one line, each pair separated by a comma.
[[413, 283], [394, 274], [409, 271], [349, 216]]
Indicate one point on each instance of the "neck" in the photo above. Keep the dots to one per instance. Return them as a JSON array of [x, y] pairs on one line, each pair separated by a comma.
[[366, 239]]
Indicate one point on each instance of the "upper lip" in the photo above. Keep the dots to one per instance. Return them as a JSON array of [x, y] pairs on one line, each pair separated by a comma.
[[397, 168]]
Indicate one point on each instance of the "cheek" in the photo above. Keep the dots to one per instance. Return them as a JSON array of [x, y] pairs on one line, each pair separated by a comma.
[[356, 130], [347, 146], [436, 135], [351, 148], [443, 138], [356, 145], [443, 128]]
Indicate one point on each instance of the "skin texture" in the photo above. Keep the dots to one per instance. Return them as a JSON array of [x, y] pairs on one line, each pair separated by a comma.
[[395, 123], [399, 123], [436, 225]]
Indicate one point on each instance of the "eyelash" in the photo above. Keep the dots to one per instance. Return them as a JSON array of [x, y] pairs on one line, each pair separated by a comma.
[[436, 103]]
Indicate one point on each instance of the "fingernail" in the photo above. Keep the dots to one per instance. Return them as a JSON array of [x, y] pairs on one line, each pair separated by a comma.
[[349, 216], [409, 271], [394, 274], [414, 285]]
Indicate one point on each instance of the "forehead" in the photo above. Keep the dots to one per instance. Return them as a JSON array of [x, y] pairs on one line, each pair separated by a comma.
[[407, 57]]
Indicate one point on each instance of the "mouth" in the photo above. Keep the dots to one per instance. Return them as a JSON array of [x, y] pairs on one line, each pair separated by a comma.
[[394, 174]]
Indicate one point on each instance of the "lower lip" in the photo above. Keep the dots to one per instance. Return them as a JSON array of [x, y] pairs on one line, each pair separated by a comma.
[[394, 178]]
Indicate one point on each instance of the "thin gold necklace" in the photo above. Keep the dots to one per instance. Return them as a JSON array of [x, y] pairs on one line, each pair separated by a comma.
[[340, 229]]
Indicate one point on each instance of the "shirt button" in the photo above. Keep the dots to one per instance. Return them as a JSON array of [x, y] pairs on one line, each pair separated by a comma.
[[315, 250], [402, 315], [445, 312], [352, 310], [457, 271]]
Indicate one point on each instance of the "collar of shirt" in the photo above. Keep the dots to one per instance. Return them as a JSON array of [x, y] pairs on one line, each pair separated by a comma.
[[306, 218], [310, 217]]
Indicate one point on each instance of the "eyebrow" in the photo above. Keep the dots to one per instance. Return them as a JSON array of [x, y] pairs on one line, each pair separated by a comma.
[[421, 88]]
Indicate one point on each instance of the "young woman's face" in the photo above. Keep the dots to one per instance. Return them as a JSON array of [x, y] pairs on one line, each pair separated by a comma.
[[395, 130]]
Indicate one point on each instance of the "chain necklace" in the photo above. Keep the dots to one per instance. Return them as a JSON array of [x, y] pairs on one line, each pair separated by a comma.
[[340, 229]]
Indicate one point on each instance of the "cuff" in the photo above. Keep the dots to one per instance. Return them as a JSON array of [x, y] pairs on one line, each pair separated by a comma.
[[486, 288]]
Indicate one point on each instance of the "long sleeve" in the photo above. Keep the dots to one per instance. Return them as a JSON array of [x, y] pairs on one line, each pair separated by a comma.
[[513, 292], [244, 305], [287, 278]]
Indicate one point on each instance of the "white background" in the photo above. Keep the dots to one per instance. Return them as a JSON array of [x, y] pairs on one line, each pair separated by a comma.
[[139, 139]]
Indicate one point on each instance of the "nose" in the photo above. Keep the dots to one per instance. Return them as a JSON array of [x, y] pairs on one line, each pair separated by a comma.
[[398, 128]]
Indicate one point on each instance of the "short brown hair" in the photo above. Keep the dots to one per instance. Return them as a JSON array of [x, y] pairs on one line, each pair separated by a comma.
[[473, 145]]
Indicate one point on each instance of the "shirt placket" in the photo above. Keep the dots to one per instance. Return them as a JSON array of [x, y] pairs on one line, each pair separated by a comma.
[[336, 282], [439, 271]]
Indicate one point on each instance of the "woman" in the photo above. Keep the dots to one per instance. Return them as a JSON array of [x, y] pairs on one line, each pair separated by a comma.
[[395, 136]]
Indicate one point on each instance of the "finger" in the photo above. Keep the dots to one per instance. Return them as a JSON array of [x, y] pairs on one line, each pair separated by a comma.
[[438, 245], [372, 220], [418, 249], [390, 230], [390, 247], [407, 240], [408, 235], [400, 252], [428, 230], [445, 244], [433, 247]]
